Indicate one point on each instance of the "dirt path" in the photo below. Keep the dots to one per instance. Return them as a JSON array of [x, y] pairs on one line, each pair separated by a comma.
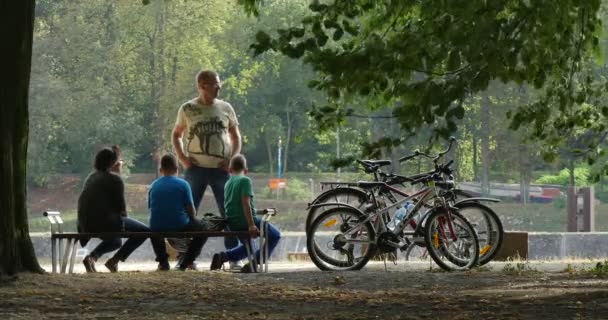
[[367, 294]]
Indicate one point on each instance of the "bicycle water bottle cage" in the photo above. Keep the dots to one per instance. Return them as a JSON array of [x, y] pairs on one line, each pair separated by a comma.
[[369, 184], [448, 185]]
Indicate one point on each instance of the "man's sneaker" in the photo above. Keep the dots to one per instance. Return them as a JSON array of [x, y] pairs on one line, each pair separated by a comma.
[[112, 264], [235, 265], [218, 260], [182, 267], [89, 264]]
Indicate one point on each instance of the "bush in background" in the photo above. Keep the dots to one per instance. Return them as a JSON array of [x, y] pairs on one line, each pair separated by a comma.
[[581, 177]]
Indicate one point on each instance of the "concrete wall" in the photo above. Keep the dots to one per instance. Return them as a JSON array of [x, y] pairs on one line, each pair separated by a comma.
[[289, 243], [565, 245], [540, 246]]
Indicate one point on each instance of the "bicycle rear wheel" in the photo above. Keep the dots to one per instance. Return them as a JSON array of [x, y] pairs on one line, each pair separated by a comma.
[[415, 252], [453, 246], [339, 234], [488, 226], [347, 195]]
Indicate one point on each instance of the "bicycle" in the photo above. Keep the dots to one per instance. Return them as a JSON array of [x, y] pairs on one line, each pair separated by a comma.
[[485, 220], [451, 239]]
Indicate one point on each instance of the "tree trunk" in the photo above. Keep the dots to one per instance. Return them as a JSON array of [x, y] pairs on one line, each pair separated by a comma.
[[17, 25], [524, 174], [475, 164], [395, 164], [287, 140], [571, 169], [270, 158], [485, 145]]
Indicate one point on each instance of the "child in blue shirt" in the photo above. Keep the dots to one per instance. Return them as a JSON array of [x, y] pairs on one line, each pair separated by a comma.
[[172, 209]]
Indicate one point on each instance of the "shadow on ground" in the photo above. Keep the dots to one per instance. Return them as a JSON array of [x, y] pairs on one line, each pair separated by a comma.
[[366, 294]]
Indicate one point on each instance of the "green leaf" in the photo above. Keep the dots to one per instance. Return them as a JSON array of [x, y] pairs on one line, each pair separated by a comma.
[[297, 32], [338, 34], [453, 60], [458, 112]]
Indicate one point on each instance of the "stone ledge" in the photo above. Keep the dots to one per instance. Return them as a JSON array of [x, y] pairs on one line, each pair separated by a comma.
[[514, 246]]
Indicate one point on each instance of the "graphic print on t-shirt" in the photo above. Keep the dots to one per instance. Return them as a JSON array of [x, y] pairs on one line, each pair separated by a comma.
[[209, 133], [207, 139]]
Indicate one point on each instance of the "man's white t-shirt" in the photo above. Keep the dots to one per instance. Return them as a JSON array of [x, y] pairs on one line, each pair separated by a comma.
[[207, 140]]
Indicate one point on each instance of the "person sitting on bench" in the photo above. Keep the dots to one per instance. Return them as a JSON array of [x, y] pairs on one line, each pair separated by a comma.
[[102, 208], [238, 202], [172, 210]]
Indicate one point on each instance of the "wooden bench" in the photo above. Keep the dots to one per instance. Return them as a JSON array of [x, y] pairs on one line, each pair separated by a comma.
[[62, 258]]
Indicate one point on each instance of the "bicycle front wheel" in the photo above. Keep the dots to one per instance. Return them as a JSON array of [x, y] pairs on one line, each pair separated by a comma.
[[339, 233], [451, 240]]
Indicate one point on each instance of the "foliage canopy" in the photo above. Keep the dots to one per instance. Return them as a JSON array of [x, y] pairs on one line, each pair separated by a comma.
[[423, 59]]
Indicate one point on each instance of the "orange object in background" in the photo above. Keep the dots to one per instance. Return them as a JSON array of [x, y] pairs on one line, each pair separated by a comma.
[[275, 184], [552, 192]]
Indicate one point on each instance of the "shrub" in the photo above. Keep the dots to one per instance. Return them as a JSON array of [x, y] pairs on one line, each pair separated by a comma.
[[581, 177], [602, 196], [296, 190]]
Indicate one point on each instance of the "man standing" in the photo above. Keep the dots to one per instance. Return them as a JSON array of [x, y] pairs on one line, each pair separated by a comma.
[[210, 129]]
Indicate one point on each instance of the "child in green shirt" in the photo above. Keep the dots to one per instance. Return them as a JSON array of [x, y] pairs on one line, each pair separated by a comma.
[[240, 214]]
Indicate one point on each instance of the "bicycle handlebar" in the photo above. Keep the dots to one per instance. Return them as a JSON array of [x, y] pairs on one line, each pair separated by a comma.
[[435, 158]]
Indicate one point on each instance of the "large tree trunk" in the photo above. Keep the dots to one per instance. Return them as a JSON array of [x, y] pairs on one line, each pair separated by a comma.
[[17, 29]]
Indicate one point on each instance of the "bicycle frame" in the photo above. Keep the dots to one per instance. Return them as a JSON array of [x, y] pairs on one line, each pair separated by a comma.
[[424, 195]]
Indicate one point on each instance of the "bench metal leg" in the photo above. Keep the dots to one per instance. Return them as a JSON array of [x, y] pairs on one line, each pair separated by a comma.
[[73, 257], [59, 252], [266, 252], [54, 253], [250, 254], [264, 246], [66, 256], [263, 241]]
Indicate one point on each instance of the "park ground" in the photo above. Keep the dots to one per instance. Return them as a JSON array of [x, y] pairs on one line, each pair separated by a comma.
[[512, 290]]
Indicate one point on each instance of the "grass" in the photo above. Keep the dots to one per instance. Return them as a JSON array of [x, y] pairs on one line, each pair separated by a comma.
[[519, 268], [600, 269]]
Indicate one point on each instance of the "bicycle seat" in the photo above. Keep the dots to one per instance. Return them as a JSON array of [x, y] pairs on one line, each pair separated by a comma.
[[378, 163], [372, 166]]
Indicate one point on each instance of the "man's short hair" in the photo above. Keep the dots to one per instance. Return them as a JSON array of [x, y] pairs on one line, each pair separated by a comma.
[[105, 159], [238, 163], [206, 76], [168, 163]]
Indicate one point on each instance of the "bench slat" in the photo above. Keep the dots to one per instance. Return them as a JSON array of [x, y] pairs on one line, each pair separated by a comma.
[[189, 234]]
